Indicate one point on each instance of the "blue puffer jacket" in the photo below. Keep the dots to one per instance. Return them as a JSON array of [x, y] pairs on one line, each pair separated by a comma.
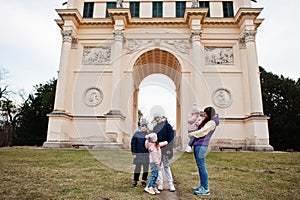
[[138, 148]]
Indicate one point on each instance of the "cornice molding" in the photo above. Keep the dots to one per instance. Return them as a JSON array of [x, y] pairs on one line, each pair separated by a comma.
[[190, 13]]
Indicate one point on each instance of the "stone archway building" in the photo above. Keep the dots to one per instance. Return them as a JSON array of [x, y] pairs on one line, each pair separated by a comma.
[[108, 48]]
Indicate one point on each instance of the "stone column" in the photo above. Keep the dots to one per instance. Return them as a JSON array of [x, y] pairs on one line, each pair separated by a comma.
[[197, 64], [253, 73], [117, 69], [62, 80]]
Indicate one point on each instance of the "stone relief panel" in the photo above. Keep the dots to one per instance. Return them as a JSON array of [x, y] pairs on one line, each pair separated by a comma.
[[222, 98], [134, 45], [218, 55], [183, 46], [96, 55], [92, 97]]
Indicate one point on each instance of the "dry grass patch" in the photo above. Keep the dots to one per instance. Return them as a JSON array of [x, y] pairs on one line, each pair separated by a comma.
[[243, 175], [37, 173]]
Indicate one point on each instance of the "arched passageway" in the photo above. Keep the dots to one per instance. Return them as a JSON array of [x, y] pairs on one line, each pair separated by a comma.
[[157, 61]]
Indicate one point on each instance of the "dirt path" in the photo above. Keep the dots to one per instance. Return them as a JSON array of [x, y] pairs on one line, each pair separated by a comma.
[[166, 194]]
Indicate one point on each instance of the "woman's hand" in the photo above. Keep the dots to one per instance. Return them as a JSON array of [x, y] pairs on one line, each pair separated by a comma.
[[134, 156]]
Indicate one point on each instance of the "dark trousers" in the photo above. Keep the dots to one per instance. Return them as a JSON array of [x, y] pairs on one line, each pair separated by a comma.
[[137, 171]]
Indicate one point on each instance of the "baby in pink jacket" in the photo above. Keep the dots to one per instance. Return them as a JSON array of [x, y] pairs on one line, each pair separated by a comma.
[[194, 120], [153, 147]]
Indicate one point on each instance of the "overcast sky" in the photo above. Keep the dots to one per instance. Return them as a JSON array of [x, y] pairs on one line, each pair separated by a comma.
[[30, 40]]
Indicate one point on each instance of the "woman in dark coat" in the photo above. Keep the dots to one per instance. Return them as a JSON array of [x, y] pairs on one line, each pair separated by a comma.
[[140, 155]]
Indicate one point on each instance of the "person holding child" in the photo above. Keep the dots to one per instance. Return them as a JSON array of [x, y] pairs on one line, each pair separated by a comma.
[[164, 132], [140, 155], [202, 138], [194, 120], [153, 147]]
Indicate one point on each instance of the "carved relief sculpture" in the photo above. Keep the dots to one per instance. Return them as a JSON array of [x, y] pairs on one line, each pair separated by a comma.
[[96, 55], [182, 46], [222, 98], [93, 97], [119, 3], [134, 45], [218, 55], [195, 4]]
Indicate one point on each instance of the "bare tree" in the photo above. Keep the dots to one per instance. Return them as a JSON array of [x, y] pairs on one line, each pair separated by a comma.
[[8, 112]]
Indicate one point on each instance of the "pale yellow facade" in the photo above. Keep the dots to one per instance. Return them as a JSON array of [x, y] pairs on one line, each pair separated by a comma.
[[212, 61]]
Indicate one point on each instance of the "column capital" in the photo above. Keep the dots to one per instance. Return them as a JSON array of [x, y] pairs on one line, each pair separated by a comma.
[[249, 35], [119, 34], [67, 35], [196, 34]]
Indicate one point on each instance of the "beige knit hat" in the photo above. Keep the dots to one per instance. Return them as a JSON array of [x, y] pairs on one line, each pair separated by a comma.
[[152, 137]]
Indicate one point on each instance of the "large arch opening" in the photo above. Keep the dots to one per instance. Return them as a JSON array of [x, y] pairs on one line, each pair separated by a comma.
[[157, 93], [158, 62]]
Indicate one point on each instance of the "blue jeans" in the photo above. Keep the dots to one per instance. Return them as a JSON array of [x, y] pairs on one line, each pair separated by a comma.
[[200, 153], [153, 175]]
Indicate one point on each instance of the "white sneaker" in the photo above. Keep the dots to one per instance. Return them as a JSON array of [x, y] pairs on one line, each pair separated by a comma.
[[156, 190], [189, 149], [171, 187], [149, 190], [160, 186]]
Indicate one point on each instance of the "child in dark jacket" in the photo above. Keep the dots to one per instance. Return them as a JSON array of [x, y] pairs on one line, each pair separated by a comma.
[[140, 155]]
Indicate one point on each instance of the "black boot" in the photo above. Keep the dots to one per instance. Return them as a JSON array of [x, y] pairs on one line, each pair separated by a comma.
[[144, 183], [134, 184]]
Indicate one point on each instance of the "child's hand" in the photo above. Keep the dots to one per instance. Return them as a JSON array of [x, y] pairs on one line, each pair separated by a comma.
[[134, 156]]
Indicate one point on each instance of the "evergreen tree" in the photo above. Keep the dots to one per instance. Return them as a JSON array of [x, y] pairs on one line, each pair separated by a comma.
[[33, 120], [281, 101]]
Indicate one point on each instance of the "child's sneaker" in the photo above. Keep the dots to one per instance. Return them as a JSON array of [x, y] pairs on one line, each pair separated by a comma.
[[202, 191], [156, 190], [149, 190]]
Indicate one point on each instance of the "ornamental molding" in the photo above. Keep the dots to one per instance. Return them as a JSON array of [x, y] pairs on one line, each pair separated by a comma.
[[196, 34], [67, 35], [249, 35], [183, 46], [119, 34], [74, 43], [96, 55], [241, 15], [242, 43], [133, 45]]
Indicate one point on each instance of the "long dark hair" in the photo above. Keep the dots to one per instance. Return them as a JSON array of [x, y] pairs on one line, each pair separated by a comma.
[[210, 112]]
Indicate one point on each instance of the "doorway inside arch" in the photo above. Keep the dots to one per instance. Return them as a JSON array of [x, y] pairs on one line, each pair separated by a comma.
[[157, 93]]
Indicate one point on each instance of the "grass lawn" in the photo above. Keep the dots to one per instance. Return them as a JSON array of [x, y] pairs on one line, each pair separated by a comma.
[[37, 173]]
